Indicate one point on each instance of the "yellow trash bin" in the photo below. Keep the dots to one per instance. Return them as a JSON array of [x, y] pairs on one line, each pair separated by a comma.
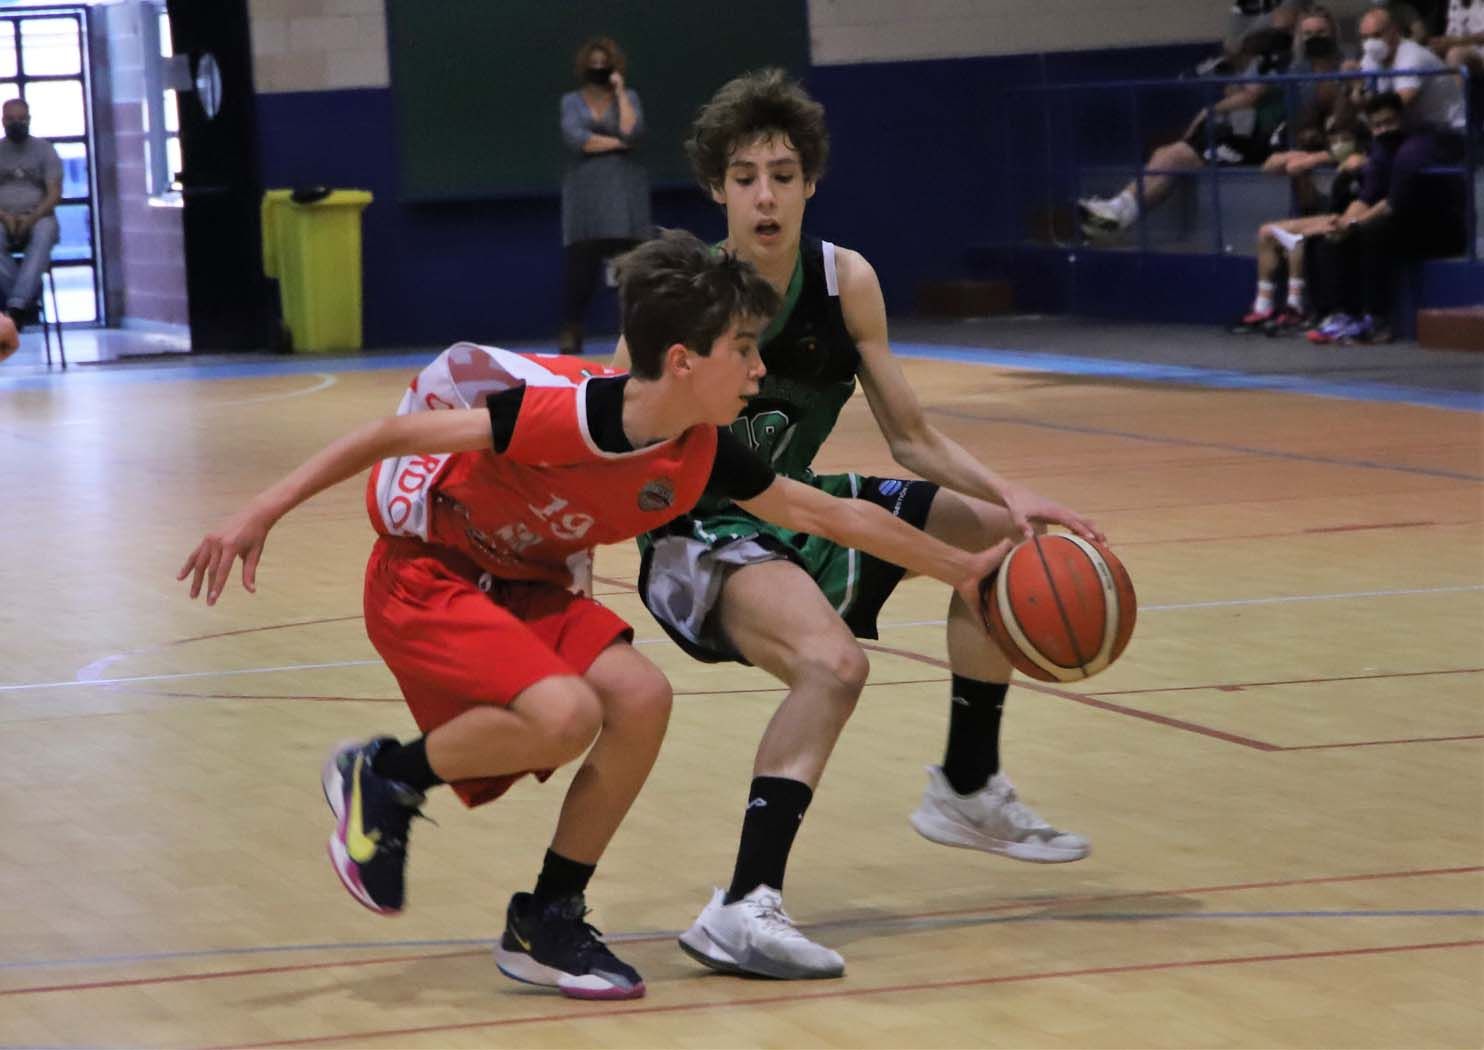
[[314, 251]]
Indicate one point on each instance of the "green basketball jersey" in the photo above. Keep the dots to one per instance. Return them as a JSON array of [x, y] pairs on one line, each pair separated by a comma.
[[811, 362]]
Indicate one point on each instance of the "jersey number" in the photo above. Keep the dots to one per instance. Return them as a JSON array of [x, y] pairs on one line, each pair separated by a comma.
[[761, 430]]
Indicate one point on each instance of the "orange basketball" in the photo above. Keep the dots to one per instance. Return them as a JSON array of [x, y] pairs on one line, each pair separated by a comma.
[[1060, 607]]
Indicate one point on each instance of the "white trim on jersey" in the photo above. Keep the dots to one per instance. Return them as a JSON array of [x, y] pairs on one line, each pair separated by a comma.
[[463, 376], [831, 276]]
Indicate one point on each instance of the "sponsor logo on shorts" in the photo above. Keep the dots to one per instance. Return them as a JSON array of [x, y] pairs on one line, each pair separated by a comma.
[[657, 494]]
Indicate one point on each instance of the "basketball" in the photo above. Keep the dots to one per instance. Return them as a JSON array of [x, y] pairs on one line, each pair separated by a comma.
[[1060, 607]]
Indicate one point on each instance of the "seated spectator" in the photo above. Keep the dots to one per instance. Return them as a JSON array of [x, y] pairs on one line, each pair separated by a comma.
[[1401, 213], [1433, 103], [1210, 137], [1319, 103], [30, 187], [1462, 42], [1280, 244]]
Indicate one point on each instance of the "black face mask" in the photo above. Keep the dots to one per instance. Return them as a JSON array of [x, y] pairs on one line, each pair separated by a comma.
[[1390, 140], [599, 76], [1320, 47], [17, 130]]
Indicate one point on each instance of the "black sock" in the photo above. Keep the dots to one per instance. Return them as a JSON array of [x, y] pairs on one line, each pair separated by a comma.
[[407, 764], [561, 878], [973, 752], [775, 808]]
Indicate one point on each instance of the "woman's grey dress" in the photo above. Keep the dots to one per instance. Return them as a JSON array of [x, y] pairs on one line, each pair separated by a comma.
[[605, 196]]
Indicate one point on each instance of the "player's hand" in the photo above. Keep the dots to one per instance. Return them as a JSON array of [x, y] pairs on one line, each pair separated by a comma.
[[1032, 513], [242, 537], [981, 565]]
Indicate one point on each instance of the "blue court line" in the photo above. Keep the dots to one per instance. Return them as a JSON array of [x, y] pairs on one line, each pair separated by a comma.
[[1187, 375], [957, 920], [1066, 364]]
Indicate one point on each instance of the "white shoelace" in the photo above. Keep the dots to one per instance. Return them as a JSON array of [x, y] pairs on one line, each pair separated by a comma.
[[768, 910]]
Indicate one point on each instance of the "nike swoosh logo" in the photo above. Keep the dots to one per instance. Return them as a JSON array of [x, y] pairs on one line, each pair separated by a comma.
[[525, 944], [757, 803], [358, 844], [960, 700]]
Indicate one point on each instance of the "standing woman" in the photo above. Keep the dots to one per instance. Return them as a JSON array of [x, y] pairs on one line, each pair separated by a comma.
[[605, 193]]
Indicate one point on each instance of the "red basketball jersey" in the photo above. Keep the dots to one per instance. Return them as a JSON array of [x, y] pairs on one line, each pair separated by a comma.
[[534, 511]]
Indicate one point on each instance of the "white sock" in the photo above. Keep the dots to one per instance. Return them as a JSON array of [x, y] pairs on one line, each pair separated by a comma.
[[1263, 304], [1296, 293]]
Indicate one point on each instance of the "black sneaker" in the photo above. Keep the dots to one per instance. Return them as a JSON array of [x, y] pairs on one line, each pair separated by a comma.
[[554, 948], [372, 816]]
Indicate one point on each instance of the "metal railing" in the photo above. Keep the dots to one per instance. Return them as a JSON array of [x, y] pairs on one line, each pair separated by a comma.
[[1065, 111]]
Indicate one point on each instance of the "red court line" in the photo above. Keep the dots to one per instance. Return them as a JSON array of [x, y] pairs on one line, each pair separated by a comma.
[[216, 975], [1372, 525], [1159, 541], [1379, 743], [1148, 716], [1237, 686], [577, 1013], [266, 627], [1041, 903]]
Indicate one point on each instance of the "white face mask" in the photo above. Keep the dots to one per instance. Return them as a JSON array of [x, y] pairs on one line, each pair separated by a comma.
[[1374, 49]]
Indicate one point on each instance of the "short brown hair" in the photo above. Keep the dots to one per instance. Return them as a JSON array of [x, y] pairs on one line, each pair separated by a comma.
[[616, 57], [676, 289], [756, 106]]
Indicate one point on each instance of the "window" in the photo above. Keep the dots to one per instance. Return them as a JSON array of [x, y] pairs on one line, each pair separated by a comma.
[[44, 60], [161, 112]]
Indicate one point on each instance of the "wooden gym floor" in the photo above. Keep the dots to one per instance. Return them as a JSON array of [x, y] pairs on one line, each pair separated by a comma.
[[1281, 779]]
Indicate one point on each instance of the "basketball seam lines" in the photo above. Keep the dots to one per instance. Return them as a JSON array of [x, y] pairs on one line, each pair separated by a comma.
[[1066, 620]]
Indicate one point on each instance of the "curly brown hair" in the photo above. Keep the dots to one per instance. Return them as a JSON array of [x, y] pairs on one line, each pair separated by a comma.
[[754, 106], [616, 58]]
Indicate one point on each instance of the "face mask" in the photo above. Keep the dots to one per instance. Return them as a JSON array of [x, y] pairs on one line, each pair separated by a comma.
[[1320, 47], [599, 76], [17, 130], [1340, 149], [1390, 140], [1375, 50]]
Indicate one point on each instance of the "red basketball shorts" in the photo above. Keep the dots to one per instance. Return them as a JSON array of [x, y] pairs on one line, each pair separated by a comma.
[[453, 646]]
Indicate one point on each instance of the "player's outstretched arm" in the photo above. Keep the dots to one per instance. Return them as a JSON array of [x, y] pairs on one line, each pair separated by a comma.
[[244, 533], [915, 443], [862, 525]]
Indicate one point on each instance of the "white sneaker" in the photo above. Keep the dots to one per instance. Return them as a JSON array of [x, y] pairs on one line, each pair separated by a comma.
[[756, 936], [992, 819], [1100, 217]]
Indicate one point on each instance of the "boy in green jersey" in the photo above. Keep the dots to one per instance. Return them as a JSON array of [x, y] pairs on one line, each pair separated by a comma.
[[726, 586]]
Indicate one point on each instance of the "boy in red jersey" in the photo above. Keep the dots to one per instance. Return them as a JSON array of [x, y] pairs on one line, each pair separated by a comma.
[[487, 506]]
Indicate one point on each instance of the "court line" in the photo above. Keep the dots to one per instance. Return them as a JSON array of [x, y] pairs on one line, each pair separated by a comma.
[[72, 684], [992, 357], [639, 938], [578, 1014], [1190, 375], [326, 380], [1251, 450], [1233, 687], [1063, 694], [1172, 607], [920, 924], [1381, 743]]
